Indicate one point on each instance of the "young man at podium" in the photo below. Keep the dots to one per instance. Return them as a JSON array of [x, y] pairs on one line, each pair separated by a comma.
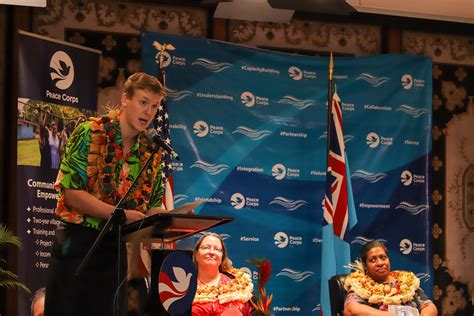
[[103, 158]]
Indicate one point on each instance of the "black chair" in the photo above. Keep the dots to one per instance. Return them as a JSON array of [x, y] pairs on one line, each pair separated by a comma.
[[337, 294]]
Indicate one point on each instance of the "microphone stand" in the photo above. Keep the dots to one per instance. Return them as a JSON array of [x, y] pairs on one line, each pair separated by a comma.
[[118, 218]]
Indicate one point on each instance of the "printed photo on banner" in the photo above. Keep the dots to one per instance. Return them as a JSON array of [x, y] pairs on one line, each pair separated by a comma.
[[43, 131]]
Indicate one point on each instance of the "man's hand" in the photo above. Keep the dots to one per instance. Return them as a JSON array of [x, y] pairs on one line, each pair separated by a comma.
[[156, 210], [133, 216]]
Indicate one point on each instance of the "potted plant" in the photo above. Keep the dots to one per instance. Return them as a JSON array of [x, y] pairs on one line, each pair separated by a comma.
[[7, 278]]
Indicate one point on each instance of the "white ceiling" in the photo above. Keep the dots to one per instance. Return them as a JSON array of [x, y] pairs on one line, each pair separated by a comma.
[[33, 3], [461, 11], [446, 10]]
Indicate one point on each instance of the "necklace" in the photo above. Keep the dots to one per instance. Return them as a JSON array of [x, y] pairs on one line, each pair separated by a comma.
[[401, 290], [103, 157], [239, 289]]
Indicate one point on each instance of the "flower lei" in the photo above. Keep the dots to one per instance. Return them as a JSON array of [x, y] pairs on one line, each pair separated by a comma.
[[240, 289], [393, 293], [104, 154]]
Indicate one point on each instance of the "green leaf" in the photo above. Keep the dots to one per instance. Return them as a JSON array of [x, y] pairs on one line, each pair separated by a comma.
[[9, 279], [7, 237]]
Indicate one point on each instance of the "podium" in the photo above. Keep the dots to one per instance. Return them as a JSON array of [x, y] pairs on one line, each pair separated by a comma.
[[167, 228]]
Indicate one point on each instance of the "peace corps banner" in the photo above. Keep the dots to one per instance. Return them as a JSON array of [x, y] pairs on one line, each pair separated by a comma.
[[250, 127], [57, 90]]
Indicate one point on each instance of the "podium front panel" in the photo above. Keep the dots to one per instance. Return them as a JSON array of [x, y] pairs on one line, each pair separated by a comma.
[[173, 282]]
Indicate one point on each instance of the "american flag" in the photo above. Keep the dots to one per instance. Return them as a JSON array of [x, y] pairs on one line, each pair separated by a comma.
[[162, 126], [338, 207]]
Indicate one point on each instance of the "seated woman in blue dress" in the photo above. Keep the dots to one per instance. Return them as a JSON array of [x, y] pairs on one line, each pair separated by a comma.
[[375, 290]]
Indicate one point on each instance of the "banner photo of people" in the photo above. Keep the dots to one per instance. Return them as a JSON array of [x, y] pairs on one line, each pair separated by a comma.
[[55, 94], [250, 126]]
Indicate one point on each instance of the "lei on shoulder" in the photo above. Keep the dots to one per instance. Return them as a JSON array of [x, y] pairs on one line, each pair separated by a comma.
[[104, 154], [238, 290], [395, 293]]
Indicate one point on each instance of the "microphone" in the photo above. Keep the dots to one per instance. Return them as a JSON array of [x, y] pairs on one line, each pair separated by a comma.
[[153, 136]]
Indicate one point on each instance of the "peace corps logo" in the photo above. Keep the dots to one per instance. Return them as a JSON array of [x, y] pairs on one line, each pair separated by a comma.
[[252, 274], [281, 239], [177, 283], [373, 140], [406, 178], [237, 200], [62, 70], [166, 59], [200, 128], [248, 99], [278, 171], [406, 246], [246, 270], [295, 73], [407, 81]]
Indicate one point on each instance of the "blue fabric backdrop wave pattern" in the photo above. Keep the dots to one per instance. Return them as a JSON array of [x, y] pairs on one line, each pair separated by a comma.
[[250, 128]]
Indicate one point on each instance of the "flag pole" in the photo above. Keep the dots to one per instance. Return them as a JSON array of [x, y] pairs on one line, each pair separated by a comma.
[[162, 48], [331, 71], [327, 230], [164, 134], [161, 73], [339, 212], [161, 70]]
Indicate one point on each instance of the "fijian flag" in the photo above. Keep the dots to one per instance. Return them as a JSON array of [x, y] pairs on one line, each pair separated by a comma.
[[339, 214]]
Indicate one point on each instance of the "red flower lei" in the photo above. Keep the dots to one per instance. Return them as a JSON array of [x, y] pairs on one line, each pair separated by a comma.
[[104, 153]]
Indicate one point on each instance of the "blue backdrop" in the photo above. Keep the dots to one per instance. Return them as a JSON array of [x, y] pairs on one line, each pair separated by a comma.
[[250, 126]]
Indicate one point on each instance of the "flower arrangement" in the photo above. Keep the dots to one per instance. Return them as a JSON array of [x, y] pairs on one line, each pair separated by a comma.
[[262, 306]]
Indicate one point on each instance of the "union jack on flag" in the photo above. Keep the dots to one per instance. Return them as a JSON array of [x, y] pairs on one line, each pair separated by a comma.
[[336, 200], [338, 207]]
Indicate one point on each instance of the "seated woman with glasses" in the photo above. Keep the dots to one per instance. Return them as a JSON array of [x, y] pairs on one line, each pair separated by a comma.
[[222, 289]]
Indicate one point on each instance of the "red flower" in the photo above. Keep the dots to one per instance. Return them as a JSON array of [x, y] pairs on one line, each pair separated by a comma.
[[264, 272]]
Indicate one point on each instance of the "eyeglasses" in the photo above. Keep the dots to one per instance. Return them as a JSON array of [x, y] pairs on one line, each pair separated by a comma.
[[209, 249]]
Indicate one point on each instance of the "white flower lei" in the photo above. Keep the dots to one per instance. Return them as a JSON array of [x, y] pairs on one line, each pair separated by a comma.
[[402, 291], [240, 289]]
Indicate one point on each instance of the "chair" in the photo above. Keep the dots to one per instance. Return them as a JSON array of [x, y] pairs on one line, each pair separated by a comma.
[[337, 294]]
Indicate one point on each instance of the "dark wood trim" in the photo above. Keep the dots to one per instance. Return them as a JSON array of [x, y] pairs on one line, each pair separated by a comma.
[[220, 27], [394, 39], [20, 20]]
